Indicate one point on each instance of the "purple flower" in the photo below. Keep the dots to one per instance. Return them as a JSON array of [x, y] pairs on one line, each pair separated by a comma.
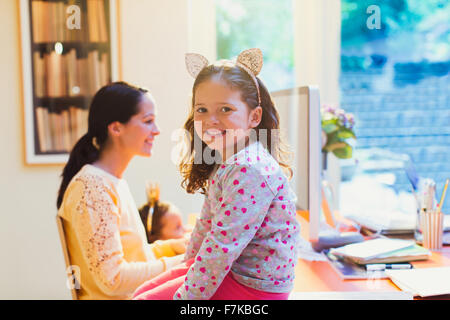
[[328, 108]]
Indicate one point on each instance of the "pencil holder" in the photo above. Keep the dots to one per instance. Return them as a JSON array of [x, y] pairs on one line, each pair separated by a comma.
[[432, 225]]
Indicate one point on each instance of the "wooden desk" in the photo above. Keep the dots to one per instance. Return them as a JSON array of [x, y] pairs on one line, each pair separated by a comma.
[[319, 276]]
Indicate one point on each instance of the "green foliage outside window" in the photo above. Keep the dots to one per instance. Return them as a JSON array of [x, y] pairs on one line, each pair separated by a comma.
[[397, 17], [264, 24]]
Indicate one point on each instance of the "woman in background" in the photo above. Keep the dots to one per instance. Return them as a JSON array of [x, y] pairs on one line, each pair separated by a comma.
[[105, 237]]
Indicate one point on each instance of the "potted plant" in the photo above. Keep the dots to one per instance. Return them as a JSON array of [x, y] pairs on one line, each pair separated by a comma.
[[337, 128]]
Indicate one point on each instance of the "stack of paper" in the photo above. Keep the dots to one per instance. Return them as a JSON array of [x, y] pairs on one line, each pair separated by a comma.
[[382, 251], [424, 282]]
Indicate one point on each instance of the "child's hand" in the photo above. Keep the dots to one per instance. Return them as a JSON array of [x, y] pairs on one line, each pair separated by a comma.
[[179, 245]]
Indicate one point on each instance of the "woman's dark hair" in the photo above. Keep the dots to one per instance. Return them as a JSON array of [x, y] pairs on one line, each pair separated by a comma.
[[117, 101], [196, 175], [160, 209]]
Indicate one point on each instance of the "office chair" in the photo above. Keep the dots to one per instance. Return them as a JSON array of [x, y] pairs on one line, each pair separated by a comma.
[[69, 268]]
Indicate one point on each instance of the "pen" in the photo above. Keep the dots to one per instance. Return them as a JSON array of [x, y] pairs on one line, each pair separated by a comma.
[[441, 203], [416, 198], [382, 266]]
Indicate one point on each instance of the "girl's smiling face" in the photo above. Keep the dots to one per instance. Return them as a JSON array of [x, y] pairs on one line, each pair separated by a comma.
[[221, 118]]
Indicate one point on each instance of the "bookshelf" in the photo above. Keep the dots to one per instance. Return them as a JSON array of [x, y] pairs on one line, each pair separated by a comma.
[[69, 50]]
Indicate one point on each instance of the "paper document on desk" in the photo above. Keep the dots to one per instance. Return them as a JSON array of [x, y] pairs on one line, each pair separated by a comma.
[[351, 295], [424, 282], [306, 252]]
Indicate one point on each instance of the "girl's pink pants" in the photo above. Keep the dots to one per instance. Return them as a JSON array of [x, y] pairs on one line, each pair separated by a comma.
[[164, 286]]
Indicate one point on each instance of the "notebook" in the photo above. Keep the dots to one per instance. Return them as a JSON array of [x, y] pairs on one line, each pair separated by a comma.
[[424, 282], [413, 253], [381, 251]]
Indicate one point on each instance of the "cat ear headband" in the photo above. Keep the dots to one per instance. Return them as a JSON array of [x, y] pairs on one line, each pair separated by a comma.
[[152, 190], [251, 60]]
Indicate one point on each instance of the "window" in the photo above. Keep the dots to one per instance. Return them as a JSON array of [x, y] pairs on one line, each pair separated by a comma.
[[395, 62]]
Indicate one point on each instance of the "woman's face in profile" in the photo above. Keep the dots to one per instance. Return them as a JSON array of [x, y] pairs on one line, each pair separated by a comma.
[[140, 131]]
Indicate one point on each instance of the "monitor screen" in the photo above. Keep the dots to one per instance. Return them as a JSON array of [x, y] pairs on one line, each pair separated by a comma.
[[299, 111]]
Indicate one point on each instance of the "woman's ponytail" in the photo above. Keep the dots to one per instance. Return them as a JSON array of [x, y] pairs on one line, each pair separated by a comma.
[[84, 152]]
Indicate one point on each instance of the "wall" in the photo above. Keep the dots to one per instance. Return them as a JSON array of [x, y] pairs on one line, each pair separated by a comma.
[[154, 40], [317, 27], [153, 56], [30, 252]]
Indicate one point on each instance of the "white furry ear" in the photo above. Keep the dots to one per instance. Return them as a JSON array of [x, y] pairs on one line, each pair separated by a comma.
[[252, 59], [195, 63]]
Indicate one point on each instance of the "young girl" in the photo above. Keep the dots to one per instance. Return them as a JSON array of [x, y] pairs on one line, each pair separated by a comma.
[[105, 237], [162, 219], [244, 243]]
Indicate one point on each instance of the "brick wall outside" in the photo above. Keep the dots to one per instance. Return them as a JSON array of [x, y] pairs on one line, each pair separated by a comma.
[[402, 109]]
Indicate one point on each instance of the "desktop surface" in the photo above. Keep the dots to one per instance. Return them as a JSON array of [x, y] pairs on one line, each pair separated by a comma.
[[319, 276]]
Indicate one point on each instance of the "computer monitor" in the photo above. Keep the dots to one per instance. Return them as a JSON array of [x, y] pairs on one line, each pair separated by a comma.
[[300, 121], [299, 110]]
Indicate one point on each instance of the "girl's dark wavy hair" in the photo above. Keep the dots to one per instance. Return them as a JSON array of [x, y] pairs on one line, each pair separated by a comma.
[[195, 176], [117, 101]]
